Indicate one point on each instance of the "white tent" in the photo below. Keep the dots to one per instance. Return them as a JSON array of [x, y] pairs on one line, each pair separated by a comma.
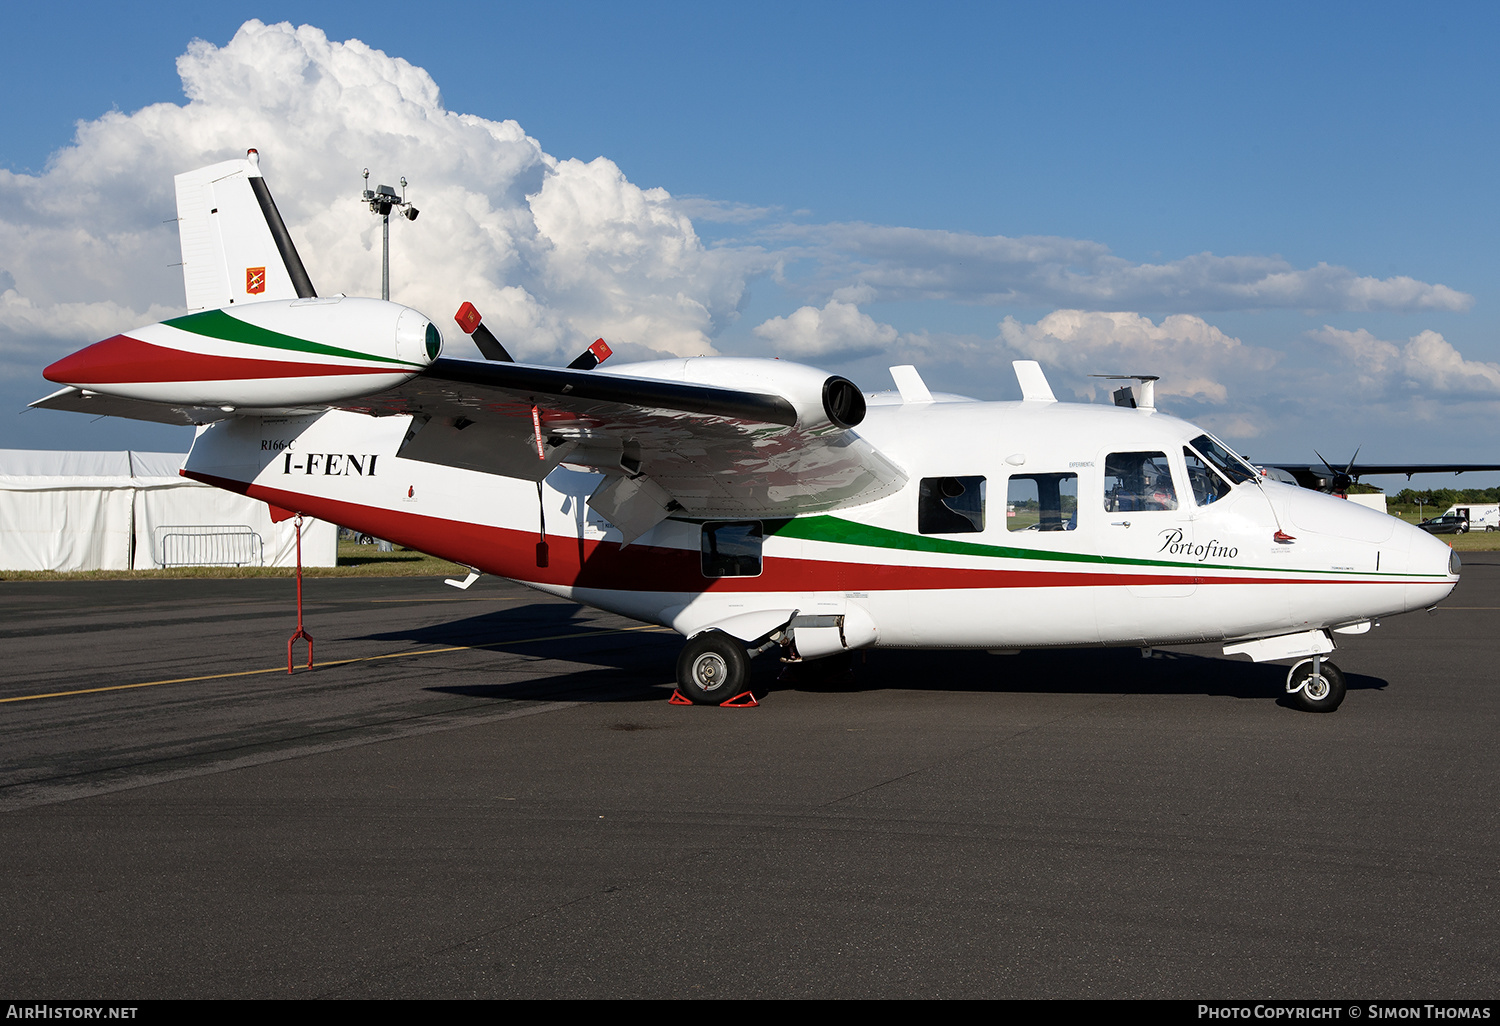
[[123, 510]]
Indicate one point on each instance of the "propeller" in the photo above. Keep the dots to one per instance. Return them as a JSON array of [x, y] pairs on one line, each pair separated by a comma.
[[1342, 479], [591, 357], [470, 320]]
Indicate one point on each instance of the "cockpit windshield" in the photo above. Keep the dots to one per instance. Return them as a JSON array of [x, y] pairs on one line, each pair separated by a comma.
[[1223, 459]]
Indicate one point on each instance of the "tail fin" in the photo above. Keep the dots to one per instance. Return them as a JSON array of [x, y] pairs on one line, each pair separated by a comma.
[[235, 247]]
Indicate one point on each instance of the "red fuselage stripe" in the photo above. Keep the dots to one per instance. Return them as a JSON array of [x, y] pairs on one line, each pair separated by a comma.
[[582, 563]]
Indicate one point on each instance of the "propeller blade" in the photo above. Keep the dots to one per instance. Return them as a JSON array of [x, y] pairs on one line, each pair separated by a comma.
[[591, 357], [1339, 480], [471, 322]]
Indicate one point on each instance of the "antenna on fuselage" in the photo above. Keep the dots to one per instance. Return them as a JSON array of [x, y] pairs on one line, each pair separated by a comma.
[[1034, 385], [1126, 396]]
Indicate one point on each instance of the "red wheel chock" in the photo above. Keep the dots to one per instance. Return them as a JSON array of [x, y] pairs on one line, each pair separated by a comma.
[[744, 700]]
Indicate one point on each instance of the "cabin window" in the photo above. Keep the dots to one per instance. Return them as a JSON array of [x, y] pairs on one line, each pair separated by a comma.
[[1207, 485], [1138, 481], [951, 505], [1041, 502], [732, 549]]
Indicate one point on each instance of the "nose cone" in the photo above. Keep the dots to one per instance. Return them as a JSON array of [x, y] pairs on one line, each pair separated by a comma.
[[1431, 559]]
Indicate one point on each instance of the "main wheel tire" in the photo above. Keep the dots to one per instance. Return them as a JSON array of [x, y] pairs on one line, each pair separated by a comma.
[[713, 668], [1319, 692]]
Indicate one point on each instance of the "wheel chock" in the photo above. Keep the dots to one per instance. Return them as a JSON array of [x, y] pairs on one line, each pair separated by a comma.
[[744, 700]]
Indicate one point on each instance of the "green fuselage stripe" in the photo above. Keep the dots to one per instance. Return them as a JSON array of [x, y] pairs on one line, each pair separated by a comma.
[[218, 324], [824, 528]]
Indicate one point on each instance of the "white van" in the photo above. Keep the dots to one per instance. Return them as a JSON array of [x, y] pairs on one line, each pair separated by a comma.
[[1480, 515]]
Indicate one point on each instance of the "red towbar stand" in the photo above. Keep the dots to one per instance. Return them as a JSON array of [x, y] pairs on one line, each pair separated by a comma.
[[300, 632]]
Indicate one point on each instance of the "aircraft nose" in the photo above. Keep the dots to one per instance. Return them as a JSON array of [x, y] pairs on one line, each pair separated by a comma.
[[1436, 562]]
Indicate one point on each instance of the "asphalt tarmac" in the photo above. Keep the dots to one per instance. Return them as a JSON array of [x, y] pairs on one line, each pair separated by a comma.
[[487, 794]]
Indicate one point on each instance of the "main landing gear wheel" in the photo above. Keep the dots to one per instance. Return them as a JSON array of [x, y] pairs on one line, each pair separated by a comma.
[[1315, 686], [713, 668]]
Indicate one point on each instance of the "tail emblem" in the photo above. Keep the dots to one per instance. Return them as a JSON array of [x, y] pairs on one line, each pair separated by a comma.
[[255, 280]]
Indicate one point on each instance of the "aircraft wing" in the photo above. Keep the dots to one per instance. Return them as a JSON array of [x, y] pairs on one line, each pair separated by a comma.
[[1317, 476], [668, 444]]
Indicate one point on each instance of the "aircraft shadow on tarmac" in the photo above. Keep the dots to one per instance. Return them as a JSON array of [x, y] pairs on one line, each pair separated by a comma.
[[639, 666], [1093, 671]]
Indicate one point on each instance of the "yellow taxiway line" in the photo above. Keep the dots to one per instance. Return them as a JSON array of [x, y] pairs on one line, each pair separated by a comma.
[[332, 662]]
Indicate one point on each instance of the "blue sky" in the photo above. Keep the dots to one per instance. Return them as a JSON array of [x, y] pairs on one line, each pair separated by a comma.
[[1357, 136]]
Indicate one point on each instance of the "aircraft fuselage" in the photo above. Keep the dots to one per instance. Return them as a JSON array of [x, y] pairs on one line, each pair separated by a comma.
[[1056, 543]]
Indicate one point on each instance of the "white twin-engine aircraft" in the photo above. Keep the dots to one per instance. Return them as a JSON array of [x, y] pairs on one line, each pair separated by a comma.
[[747, 504]]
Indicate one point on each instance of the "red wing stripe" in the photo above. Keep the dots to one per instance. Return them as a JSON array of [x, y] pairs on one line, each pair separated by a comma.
[[126, 360]]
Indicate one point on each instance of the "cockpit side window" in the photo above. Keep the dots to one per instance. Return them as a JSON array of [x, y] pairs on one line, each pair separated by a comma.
[[1223, 459], [1041, 502], [1137, 481], [951, 505], [1207, 485]]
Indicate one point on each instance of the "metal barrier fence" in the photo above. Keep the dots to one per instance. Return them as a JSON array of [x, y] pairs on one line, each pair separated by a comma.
[[224, 545]]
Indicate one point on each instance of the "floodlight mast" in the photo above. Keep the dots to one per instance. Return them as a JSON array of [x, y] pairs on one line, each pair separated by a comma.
[[382, 200]]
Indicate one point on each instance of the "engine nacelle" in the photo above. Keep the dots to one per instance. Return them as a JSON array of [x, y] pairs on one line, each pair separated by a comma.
[[302, 352], [823, 401]]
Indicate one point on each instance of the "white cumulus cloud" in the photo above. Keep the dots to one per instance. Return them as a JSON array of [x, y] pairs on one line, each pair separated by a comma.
[[1192, 357], [838, 328], [555, 253], [1426, 364], [913, 263]]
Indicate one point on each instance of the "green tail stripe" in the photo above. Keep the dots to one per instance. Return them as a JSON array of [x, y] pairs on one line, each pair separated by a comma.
[[218, 324], [846, 532]]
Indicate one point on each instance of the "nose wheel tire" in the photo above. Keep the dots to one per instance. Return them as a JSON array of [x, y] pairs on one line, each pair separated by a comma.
[[713, 668], [1319, 690]]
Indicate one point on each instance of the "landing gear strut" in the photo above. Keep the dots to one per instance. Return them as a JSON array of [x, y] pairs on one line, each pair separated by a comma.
[[713, 668], [1315, 685]]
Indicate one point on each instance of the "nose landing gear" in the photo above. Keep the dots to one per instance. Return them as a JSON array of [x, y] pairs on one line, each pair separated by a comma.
[[1315, 685]]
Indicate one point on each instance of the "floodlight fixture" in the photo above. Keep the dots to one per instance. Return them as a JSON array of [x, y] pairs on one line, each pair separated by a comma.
[[382, 200]]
